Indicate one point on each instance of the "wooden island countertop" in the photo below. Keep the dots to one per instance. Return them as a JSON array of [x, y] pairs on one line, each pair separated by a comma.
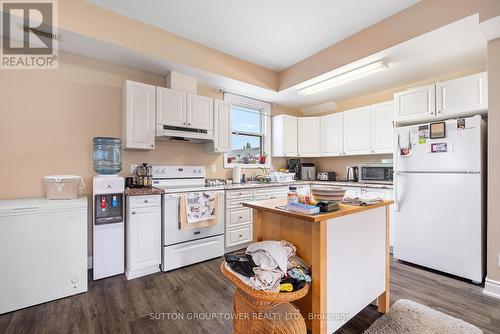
[[348, 250], [344, 209]]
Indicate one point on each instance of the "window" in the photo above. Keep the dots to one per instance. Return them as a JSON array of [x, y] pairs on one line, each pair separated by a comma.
[[250, 123]]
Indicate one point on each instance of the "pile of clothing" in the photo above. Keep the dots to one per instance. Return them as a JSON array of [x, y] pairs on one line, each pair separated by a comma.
[[271, 266]]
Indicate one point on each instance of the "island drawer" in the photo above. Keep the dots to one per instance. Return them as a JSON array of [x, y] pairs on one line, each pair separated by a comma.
[[239, 216], [239, 235]]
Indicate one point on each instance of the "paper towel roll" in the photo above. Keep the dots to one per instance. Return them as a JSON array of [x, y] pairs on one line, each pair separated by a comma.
[[236, 174]]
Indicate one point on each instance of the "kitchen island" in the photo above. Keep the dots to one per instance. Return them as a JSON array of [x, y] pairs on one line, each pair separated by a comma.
[[349, 255]]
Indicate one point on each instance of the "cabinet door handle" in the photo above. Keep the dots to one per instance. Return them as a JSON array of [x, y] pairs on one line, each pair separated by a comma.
[[189, 124], [241, 236], [146, 201], [152, 145], [240, 217], [133, 212]]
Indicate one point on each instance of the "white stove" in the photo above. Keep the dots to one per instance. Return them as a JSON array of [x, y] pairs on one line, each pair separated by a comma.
[[188, 246], [175, 179]]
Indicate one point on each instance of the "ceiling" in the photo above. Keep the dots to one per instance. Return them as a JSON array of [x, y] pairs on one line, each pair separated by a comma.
[[274, 34]]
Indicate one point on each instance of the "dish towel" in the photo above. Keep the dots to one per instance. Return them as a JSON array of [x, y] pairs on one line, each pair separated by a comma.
[[198, 210]]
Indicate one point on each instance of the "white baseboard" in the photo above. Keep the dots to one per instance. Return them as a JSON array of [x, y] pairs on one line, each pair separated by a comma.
[[90, 262], [491, 288]]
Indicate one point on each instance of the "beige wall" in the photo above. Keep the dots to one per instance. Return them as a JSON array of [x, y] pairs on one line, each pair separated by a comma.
[[493, 160]]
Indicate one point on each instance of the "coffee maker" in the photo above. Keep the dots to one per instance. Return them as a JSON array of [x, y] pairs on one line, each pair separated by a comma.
[[293, 166]]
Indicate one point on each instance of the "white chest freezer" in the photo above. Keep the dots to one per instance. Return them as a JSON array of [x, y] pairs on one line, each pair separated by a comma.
[[43, 251]]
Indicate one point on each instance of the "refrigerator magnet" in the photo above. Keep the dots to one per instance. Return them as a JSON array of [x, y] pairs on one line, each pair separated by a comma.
[[439, 147], [461, 124], [438, 130]]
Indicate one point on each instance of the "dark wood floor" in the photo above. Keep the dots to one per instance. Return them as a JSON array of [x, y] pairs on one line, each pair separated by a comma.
[[154, 304]]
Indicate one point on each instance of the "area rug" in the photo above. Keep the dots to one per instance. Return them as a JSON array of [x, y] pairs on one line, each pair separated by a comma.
[[408, 317]]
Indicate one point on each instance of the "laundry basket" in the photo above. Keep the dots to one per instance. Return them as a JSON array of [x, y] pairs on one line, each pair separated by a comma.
[[63, 186]]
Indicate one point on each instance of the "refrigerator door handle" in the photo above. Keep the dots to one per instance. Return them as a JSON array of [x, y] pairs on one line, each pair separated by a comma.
[[396, 192]]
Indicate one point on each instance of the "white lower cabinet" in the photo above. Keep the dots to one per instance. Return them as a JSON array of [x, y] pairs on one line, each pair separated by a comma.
[[143, 235], [239, 220]]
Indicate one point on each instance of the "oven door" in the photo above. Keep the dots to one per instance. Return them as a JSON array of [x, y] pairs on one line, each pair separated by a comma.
[[375, 174], [172, 234]]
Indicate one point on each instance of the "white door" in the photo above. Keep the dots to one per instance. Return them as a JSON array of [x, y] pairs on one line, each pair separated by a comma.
[[200, 112], [382, 127], [458, 96], [284, 136], [139, 115], [171, 107], [222, 122], [415, 104], [439, 222], [357, 129], [308, 137], [145, 237], [332, 134]]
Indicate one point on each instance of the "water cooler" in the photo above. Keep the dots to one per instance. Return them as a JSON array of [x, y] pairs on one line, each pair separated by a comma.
[[108, 209]]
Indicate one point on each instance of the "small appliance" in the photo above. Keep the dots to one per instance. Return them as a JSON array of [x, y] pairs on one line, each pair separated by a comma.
[[308, 171], [326, 176], [352, 174], [375, 173], [185, 247], [293, 166]]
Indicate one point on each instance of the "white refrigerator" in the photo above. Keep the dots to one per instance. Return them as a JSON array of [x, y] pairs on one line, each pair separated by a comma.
[[439, 218]]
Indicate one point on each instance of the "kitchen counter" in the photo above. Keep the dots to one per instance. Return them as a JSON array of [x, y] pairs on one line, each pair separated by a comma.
[[299, 182], [347, 249], [143, 191]]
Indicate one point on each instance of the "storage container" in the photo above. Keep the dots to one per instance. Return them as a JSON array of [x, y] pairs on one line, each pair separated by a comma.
[[63, 186], [107, 155]]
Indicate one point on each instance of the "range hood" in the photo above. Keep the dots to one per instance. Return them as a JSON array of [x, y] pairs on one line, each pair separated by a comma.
[[167, 132]]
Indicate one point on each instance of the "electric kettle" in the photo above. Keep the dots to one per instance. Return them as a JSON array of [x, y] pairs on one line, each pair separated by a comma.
[[352, 174]]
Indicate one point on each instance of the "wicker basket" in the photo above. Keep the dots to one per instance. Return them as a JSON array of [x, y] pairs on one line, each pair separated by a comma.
[[256, 311]]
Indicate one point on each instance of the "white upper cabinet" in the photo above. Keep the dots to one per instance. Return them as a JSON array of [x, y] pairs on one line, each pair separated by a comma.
[[222, 128], [284, 136], [415, 104], [200, 112], [462, 95], [138, 115], [171, 107], [382, 127], [357, 131], [332, 135], [308, 137]]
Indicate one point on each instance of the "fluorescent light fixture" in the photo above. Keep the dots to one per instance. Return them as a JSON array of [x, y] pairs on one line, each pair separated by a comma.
[[342, 78]]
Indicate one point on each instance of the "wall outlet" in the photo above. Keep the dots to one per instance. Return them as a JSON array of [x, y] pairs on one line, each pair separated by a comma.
[[214, 169]]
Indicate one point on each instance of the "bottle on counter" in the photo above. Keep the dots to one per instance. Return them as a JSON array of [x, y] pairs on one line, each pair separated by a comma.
[[293, 195]]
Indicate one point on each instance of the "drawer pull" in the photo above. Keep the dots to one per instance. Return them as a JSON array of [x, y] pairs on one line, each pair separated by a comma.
[[146, 201], [241, 235], [133, 212], [197, 232]]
